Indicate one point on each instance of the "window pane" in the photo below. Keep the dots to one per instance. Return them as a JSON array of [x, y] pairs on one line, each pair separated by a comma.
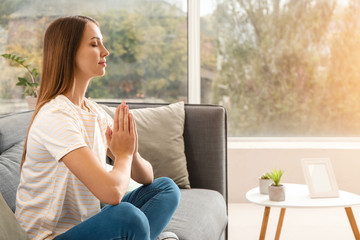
[[147, 41], [283, 68]]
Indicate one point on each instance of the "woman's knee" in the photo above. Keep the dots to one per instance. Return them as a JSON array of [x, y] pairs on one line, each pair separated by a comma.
[[129, 217], [168, 185]]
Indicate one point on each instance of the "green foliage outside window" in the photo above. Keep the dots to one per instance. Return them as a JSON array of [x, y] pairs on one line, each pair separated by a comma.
[[148, 55], [290, 68], [147, 45]]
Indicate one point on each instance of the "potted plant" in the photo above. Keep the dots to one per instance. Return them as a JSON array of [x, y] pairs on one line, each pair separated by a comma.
[[264, 182], [31, 85], [276, 190]]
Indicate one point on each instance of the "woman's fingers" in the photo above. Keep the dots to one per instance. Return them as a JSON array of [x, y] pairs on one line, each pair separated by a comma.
[[133, 131], [121, 117], [108, 135], [116, 119], [122, 140], [131, 125], [126, 119]]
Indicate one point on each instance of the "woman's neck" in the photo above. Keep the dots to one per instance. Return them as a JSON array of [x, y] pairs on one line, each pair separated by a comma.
[[78, 100], [77, 94]]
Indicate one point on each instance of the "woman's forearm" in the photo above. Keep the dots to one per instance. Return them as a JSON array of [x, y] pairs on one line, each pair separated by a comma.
[[120, 174], [141, 170]]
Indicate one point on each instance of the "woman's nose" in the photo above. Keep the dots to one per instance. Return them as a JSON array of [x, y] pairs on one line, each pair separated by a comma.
[[105, 52]]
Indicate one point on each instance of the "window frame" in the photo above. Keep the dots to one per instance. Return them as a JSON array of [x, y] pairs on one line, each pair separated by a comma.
[[194, 79]]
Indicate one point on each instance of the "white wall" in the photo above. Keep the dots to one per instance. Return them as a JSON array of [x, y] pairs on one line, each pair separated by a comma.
[[245, 165]]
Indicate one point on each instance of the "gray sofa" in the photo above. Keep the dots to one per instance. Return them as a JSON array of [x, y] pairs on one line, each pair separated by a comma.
[[202, 213]]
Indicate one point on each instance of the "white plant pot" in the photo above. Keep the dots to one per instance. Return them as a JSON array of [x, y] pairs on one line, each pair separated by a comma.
[[276, 193], [31, 102], [264, 185]]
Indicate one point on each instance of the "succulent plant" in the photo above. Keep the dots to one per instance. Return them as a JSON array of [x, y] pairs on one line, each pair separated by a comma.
[[276, 175], [265, 176]]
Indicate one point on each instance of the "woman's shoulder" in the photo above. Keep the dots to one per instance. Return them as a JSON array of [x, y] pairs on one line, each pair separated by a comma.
[[57, 107]]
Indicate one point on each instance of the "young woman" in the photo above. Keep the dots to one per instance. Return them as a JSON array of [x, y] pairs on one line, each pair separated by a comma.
[[63, 178]]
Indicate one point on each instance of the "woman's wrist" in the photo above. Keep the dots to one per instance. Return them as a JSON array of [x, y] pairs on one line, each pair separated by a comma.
[[123, 158], [136, 156]]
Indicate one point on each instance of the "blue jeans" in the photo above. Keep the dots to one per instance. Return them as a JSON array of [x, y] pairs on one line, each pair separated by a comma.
[[142, 215]]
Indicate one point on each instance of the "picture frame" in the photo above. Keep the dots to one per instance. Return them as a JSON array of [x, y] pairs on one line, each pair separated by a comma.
[[320, 177]]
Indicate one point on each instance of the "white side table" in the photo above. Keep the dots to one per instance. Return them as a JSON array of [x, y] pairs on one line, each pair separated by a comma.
[[297, 196]]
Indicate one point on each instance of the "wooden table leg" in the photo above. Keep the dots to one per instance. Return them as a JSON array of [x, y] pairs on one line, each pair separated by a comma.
[[264, 223], [279, 226], [352, 221]]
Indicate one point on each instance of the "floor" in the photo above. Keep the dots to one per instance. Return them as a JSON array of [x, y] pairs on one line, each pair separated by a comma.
[[306, 224]]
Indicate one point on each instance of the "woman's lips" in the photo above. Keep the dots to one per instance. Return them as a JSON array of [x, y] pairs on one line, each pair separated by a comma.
[[103, 63]]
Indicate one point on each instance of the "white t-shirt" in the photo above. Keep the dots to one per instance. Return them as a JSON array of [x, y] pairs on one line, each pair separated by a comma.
[[50, 199]]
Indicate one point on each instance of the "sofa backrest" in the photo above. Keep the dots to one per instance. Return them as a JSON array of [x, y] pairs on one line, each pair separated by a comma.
[[13, 129]]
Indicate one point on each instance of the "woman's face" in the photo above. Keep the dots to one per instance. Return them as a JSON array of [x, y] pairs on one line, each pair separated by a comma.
[[90, 58]]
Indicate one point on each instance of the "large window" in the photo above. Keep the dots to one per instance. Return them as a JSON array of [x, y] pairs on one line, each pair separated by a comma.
[[283, 67], [147, 41]]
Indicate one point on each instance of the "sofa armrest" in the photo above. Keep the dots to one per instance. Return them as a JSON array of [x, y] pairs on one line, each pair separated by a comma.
[[205, 137]]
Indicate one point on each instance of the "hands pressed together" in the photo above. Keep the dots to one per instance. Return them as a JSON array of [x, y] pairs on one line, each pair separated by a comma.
[[122, 140]]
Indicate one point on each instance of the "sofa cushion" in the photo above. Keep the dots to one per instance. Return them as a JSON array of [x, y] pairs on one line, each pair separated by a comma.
[[13, 129], [161, 140], [201, 215], [9, 227], [10, 173]]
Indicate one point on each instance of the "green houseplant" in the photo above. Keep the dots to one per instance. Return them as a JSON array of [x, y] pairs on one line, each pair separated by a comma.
[[264, 182], [30, 82], [276, 190]]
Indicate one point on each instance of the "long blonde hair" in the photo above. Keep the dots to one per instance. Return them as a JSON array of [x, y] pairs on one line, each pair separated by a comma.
[[61, 42]]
